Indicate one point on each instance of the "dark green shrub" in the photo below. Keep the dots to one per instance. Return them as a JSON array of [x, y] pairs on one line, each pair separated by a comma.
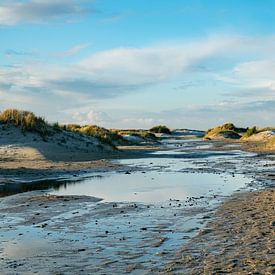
[[160, 129], [250, 131]]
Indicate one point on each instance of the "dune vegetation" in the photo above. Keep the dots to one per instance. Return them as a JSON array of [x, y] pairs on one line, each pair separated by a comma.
[[144, 134], [160, 129], [227, 130], [103, 134], [26, 120], [29, 122], [264, 136], [250, 131]]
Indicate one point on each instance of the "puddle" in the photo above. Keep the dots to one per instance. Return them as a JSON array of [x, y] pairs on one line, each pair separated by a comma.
[[165, 175], [152, 186]]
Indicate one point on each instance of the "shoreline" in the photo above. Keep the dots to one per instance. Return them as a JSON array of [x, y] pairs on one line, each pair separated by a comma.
[[25, 161], [29, 165]]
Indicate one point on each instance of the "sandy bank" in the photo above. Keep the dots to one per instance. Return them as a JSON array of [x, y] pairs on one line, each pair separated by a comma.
[[29, 156], [240, 239]]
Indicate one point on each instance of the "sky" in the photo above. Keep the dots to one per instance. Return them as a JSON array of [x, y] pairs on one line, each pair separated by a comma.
[[139, 63]]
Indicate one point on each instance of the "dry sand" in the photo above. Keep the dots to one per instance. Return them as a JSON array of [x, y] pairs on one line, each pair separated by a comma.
[[28, 156], [240, 239]]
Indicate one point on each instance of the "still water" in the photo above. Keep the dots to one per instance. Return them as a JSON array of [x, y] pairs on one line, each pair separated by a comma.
[[163, 175]]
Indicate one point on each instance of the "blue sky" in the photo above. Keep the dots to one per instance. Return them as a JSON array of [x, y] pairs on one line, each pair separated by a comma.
[[125, 64]]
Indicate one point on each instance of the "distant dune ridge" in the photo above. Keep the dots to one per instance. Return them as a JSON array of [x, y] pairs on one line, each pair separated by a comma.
[[42, 140], [48, 142], [225, 131], [265, 137], [25, 136]]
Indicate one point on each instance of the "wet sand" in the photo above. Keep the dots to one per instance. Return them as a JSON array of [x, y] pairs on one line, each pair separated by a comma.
[[25, 163], [49, 234], [240, 239]]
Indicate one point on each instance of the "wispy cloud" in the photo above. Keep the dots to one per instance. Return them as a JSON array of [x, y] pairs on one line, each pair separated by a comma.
[[40, 11], [73, 50], [113, 18], [11, 52]]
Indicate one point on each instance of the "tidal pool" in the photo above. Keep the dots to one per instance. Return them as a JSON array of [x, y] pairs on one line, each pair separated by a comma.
[[152, 186], [162, 176]]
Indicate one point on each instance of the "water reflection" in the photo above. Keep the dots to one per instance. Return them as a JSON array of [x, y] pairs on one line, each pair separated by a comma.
[[11, 188], [153, 186]]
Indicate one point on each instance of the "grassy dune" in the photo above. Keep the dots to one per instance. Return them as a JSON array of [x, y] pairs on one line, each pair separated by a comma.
[[264, 137], [103, 134], [227, 130], [26, 120], [29, 122]]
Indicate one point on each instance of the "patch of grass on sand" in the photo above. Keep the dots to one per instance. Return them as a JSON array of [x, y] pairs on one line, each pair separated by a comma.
[[250, 131], [160, 129], [137, 132], [266, 129], [227, 130], [26, 120], [104, 135], [254, 131]]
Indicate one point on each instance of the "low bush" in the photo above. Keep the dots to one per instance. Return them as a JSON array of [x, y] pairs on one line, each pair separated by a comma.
[[250, 131], [160, 129], [137, 132]]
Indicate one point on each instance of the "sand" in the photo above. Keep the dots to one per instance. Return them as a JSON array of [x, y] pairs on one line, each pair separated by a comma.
[[240, 239], [29, 156]]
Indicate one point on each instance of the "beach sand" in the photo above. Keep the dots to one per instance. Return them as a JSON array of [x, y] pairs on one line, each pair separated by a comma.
[[28, 156], [240, 239]]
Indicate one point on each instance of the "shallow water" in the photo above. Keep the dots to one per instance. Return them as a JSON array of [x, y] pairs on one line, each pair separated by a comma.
[[164, 175], [152, 186], [161, 202]]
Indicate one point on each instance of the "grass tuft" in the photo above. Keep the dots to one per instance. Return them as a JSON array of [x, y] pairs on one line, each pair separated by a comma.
[[250, 131], [26, 120], [104, 135]]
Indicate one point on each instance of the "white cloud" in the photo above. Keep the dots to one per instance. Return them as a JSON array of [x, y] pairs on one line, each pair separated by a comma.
[[152, 64], [89, 116], [252, 79], [37, 11], [257, 74], [115, 72]]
